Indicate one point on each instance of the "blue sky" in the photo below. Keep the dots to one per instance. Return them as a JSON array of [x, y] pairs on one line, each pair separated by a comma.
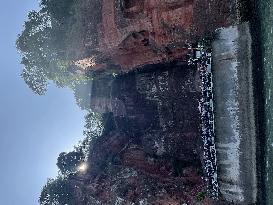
[[33, 129]]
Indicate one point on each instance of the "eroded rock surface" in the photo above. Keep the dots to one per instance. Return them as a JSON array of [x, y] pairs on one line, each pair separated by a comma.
[[151, 151], [133, 33]]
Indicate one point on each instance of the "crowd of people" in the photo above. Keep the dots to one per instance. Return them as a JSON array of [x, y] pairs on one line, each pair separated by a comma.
[[202, 59]]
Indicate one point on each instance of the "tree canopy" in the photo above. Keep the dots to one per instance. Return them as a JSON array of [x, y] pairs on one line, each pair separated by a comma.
[[68, 162], [51, 40], [60, 190], [56, 192]]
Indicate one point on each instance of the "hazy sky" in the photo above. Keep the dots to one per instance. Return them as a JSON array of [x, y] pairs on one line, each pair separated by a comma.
[[33, 129]]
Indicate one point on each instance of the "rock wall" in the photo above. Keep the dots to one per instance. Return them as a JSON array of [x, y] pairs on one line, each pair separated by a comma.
[[136, 33], [151, 151]]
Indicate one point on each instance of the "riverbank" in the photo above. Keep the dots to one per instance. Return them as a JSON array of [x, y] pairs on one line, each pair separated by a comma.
[[234, 114]]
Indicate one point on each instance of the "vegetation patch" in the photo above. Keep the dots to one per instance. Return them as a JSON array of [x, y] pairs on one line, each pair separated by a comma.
[[53, 38]]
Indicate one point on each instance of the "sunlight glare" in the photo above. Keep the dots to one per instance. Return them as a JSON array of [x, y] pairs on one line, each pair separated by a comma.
[[82, 167]]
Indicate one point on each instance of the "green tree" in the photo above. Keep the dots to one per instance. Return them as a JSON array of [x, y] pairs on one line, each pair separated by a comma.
[[57, 192], [31, 44], [44, 46], [93, 124], [68, 162], [60, 10], [35, 79], [92, 130]]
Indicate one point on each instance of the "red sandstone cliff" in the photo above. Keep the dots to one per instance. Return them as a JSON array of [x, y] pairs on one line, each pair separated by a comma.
[[134, 33], [154, 155], [151, 151]]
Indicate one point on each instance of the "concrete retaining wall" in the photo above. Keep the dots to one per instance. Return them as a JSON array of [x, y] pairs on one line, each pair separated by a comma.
[[234, 114]]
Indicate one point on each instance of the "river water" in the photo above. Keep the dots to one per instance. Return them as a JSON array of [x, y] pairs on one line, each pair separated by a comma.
[[266, 13]]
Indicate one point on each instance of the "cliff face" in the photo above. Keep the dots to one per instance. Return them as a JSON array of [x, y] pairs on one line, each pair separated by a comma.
[[151, 150], [134, 33]]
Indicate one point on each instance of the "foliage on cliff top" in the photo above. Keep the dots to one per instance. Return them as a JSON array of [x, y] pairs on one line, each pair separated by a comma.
[[53, 38], [57, 191], [60, 190]]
